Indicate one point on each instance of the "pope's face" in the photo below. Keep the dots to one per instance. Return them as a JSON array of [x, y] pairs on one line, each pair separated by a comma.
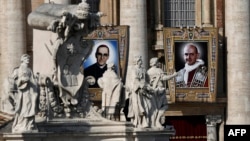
[[190, 55]]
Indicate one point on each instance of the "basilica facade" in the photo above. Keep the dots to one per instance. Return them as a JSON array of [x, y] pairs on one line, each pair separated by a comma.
[[147, 21]]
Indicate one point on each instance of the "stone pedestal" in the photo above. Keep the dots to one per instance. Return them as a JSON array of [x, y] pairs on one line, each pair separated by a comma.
[[90, 130], [80, 136]]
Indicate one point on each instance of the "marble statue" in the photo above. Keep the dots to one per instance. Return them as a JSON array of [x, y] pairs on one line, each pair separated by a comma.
[[25, 91], [147, 94], [48, 14], [65, 94], [139, 95], [156, 76], [71, 23], [84, 106], [111, 86], [58, 102]]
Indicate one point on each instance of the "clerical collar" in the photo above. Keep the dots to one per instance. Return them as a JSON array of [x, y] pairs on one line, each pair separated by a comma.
[[102, 66]]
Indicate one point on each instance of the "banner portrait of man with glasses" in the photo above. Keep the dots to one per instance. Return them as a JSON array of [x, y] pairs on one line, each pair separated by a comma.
[[96, 64]]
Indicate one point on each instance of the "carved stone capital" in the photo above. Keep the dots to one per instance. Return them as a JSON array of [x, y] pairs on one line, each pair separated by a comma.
[[212, 120]]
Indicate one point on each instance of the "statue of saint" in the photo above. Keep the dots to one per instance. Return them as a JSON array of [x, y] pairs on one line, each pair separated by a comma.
[[156, 77], [111, 93], [25, 97], [139, 95]]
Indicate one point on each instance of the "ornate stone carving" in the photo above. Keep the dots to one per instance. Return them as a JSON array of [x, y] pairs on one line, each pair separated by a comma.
[[23, 92], [65, 91], [111, 95], [156, 76], [64, 94], [212, 121], [139, 97], [147, 95]]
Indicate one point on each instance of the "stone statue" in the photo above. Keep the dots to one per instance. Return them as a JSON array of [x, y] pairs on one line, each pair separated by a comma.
[[140, 105], [65, 27], [64, 96], [71, 23], [111, 93], [25, 92], [155, 77], [49, 14], [8, 96], [65, 21], [85, 104]]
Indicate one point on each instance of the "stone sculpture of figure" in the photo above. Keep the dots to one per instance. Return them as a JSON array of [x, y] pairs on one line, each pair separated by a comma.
[[25, 98], [84, 105], [156, 76], [49, 13], [63, 27], [140, 105], [64, 20], [70, 23], [112, 85]]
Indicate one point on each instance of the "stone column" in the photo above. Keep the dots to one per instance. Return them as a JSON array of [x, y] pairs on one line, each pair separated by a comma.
[[237, 33], [111, 13], [207, 13], [212, 121], [158, 25], [221, 131], [13, 36], [3, 23], [3, 45], [133, 13], [15, 32], [158, 13]]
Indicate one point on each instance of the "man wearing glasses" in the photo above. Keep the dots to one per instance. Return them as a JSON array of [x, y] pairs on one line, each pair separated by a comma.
[[98, 68]]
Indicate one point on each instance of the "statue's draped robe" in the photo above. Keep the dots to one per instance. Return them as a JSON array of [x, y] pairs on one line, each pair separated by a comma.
[[25, 99]]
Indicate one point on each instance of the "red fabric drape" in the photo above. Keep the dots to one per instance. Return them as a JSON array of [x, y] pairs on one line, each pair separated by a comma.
[[188, 128]]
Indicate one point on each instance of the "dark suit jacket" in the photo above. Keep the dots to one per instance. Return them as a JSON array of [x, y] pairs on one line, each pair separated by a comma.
[[96, 71]]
